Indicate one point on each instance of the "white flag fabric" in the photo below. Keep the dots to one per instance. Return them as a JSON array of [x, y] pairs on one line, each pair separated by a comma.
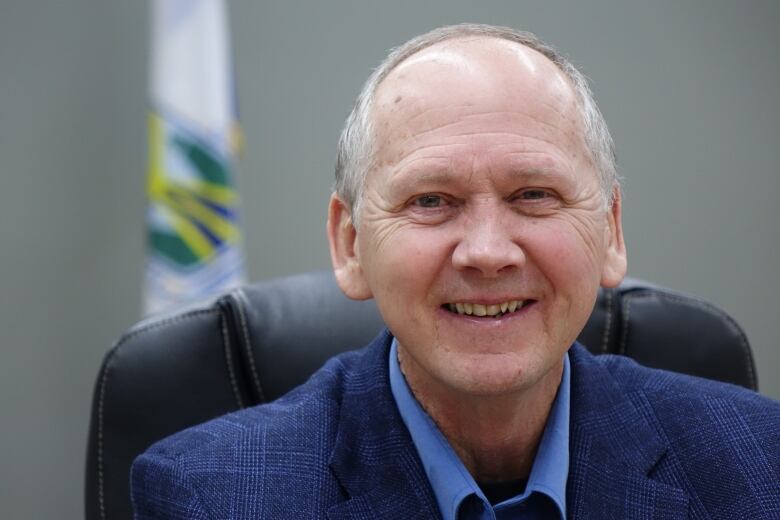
[[194, 240]]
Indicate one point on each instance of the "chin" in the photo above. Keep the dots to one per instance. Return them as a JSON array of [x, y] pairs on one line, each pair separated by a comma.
[[491, 375]]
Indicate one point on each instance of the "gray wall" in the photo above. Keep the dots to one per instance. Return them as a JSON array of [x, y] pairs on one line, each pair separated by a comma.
[[689, 90]]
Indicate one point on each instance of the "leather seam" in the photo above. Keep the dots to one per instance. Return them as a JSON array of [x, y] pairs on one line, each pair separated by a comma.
[[607, 321], [706, 306], [104, 383], [626, 305], [229, 360], [732, 324], [248, 345]]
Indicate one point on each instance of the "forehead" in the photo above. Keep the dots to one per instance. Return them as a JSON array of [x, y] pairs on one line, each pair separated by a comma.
[[457, 79]]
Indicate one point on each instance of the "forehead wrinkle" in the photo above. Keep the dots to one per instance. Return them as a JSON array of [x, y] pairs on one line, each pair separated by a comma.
[[408, 165], [440, 168], [443, 172], [408, 122], [421, 112], [555, 155], [510, 139], [549, 167], [435, 177]]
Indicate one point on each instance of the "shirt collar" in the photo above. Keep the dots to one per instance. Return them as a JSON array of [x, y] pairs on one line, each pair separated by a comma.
[[449, 478]]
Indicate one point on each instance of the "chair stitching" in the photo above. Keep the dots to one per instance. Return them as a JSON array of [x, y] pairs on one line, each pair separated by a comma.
[[735, 329], [624, 332], [706, 306], [607, 322], [101, 500], [248, 345], [104, 383], [229, 360]]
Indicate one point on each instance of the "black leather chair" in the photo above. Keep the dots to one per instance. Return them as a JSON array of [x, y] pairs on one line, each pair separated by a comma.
[[254, 344]]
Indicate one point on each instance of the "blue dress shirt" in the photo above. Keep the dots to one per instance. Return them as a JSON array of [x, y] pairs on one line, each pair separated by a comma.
[[458, 495]]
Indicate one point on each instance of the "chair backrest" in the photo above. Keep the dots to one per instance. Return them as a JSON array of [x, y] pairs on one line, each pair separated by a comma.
[[254, 344]]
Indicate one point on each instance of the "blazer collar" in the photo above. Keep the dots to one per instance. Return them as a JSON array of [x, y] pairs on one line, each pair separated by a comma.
[[374, 458], [614, 449], [613, 446]]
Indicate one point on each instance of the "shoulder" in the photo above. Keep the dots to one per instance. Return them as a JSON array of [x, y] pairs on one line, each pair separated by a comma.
[[671, 392], [319, 396], [279, 449], [711, 428], [718, 442]]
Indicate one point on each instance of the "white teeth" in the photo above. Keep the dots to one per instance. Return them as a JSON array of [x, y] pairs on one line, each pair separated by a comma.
[[478, 309]]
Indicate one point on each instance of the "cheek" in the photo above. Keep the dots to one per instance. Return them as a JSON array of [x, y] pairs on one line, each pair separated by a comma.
[[566, 252], [403, 261]]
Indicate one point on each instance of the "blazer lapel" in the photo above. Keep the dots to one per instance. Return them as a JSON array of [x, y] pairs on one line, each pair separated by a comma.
[[374, 458], [614, 450]]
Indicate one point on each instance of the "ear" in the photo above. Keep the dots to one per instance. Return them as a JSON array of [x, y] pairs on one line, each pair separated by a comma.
[[342, 238], [615, 262]]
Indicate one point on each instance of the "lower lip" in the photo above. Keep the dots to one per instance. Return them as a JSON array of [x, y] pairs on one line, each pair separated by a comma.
[[488, 320]]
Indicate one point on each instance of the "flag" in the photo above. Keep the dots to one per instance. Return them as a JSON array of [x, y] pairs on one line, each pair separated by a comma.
[[194, 240]]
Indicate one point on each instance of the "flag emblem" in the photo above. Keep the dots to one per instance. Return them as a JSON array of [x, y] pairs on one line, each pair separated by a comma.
[[194, 240]]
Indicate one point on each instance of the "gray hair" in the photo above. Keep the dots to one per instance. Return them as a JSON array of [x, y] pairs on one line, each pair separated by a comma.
[[356, 148]]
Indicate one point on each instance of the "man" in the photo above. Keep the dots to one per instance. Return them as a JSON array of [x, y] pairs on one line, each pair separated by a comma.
[[477, 201]]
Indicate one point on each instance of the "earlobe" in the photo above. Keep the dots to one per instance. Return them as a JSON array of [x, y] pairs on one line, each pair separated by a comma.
[[343, 241], [615, 261]]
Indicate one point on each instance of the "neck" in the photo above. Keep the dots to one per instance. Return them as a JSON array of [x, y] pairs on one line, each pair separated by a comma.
[[495, 436]]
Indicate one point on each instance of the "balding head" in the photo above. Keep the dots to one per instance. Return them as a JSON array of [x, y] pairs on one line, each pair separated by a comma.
[[471, 76], [474, 47]]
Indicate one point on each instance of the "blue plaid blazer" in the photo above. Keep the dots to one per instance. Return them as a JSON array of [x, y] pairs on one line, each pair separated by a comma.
[[644, 444]]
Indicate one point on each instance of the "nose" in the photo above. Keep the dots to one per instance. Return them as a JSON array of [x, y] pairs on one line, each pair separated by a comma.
[[488, 246]]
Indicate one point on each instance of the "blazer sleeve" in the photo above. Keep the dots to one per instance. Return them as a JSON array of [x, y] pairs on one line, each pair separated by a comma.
[[161, 489]]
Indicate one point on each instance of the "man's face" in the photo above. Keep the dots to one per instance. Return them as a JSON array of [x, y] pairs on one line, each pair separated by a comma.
[[483, 233]]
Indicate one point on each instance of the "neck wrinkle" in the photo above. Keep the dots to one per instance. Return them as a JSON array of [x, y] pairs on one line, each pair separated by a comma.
[[496, 437]]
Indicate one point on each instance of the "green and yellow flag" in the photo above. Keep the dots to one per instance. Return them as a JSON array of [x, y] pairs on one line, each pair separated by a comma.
[[194, 240]]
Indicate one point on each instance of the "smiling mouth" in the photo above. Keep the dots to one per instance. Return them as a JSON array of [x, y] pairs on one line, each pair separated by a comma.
[[495, 310]]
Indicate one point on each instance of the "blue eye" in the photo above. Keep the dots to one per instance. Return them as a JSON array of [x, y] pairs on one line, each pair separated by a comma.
[[429, 201]]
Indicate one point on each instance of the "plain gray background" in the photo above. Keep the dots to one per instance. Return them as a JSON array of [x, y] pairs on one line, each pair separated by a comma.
[[689, 90]]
